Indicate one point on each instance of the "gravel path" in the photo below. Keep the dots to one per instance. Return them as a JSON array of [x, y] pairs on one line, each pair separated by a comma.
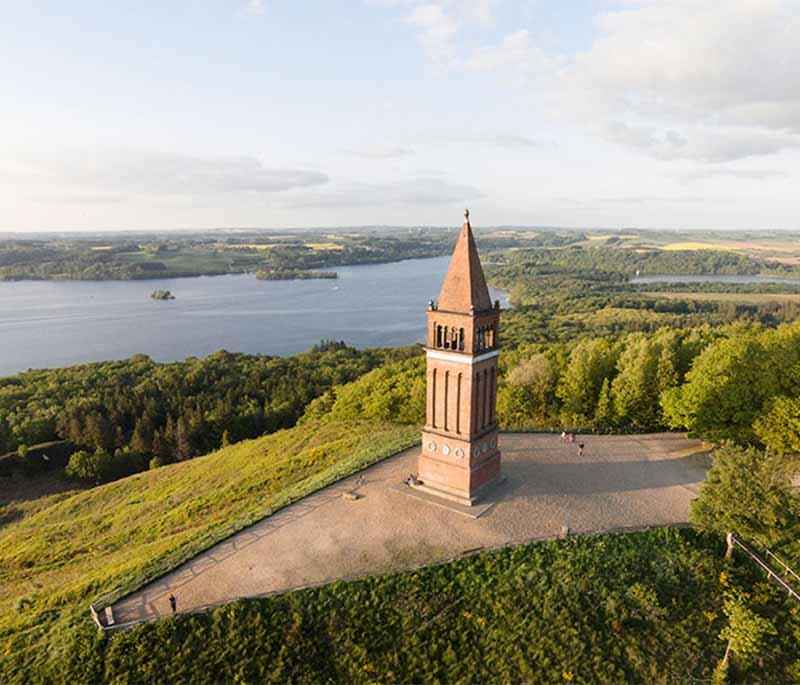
[[620, 481]]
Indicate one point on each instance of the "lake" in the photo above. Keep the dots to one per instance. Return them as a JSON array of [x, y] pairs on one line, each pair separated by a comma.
[[58, 323], [674, 278]]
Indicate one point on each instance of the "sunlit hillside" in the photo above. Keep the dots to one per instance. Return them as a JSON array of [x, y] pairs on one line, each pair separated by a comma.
[[57, 560]]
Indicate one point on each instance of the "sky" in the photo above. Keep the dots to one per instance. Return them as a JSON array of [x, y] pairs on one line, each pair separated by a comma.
[[189, 114]]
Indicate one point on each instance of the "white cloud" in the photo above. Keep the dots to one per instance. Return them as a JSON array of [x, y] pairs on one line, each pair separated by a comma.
[[406, 193], [514, 55], [731, 172], [138, 171], [436, 31], [482, 11], [721, 77], [503, 140], [438, 23], [255, 7], [379, 152], [424, 140], [702, 144], [699, 61], [710, 82]]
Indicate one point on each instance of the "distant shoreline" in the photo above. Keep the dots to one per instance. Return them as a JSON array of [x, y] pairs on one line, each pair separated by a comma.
[[293, 274]]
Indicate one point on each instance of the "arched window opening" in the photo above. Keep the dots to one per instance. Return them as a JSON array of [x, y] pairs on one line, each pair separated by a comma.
[[446, 390], [438, 336], [446, 400], [433, 399], [493, 397], [458, 404], [460, 339], [485, 397], [476, 414]]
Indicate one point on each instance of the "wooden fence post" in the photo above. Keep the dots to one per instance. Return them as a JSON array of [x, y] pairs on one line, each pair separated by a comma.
[[729, 551]]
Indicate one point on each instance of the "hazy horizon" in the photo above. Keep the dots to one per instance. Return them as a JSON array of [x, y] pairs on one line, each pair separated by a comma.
[[118, 232]]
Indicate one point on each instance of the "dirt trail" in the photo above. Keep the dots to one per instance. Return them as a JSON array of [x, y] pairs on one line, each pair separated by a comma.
[[620, 481]]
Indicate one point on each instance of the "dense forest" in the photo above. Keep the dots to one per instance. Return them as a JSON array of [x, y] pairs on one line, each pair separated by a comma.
[[124, 414], [735, 383]]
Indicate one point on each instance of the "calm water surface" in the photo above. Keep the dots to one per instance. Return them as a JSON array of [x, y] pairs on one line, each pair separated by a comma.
[[49, 323]]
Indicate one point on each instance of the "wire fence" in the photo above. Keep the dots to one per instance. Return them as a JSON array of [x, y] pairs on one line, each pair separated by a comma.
[[772, 574]]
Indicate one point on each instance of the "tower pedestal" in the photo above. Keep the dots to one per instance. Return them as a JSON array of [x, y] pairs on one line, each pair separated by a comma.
[[459, 470]]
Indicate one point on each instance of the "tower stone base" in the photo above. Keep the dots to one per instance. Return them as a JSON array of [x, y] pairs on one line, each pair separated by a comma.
[[459, 470]]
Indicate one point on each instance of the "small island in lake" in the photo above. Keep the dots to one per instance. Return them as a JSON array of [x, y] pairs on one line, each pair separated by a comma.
[[162, 295], [292, 274]]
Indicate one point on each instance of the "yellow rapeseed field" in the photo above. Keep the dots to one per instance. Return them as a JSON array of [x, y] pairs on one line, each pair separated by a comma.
[[698, 246], [325, 246]]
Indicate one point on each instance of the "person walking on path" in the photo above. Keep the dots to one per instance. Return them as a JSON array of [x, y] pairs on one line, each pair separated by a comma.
[[563, 436], [571, 438], [173, 603], [580, 449]]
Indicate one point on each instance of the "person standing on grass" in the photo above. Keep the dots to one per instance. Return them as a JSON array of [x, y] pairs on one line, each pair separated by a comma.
[[173, 603]]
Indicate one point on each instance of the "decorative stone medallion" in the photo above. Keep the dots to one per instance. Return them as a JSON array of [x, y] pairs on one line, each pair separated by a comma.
[[432, 446], [446, 450], [460, 453]]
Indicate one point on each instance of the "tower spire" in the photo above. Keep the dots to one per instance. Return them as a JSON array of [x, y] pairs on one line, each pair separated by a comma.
[[464, 289]]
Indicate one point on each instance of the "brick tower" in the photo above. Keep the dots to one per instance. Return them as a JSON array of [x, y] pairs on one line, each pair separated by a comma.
[[460, 458]]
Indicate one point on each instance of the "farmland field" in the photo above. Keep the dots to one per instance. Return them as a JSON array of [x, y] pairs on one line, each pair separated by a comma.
[[697, 246], [740, 298]]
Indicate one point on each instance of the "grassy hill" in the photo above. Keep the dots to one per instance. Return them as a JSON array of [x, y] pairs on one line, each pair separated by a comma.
[[635, 608], [113, 538]]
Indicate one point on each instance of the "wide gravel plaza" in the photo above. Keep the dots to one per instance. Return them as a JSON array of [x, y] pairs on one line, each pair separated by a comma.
[[620, 481]]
